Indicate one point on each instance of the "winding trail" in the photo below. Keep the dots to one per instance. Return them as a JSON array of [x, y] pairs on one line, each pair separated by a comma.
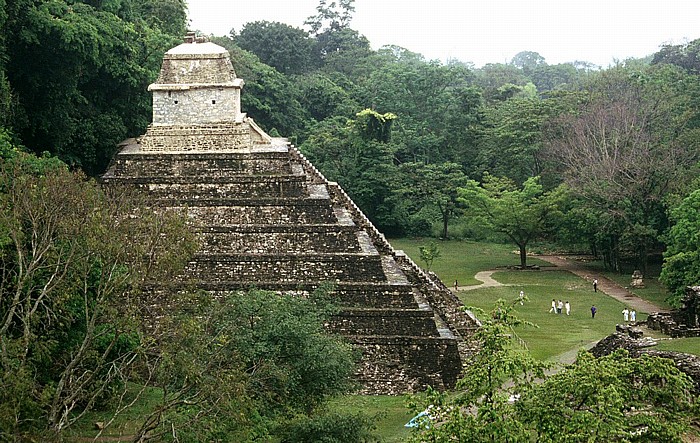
[[485, 278], [605, 285]]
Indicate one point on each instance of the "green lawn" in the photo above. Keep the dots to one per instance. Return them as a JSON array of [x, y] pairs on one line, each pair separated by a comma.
[[557, 333], [391, 410], [461, 260], [688, 345]]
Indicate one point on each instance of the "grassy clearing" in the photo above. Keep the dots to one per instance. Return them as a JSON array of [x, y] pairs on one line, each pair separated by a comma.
[[557, 333], [461, 260], [688, 345], [391, 411]]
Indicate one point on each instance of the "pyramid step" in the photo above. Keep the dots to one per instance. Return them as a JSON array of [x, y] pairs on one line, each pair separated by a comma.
[[131, 162], [347, 294], [213, 213], [257, 188], [378, 322], [287, 268], [329, 238]]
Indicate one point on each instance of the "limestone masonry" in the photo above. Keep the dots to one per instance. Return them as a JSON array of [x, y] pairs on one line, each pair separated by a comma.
[[268, 219]]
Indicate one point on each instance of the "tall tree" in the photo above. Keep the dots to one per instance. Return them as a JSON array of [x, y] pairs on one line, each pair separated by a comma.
[[289, 50], [521, 214], [79, 75], [434, 185], [626, 149], [73, 263], [682, 257]]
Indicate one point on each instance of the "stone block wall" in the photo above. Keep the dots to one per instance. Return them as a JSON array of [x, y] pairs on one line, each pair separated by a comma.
[[196, 138], [201, 165], [286, 268], [201, 105], [217, 213], [279, 241], [385, 322], [395, 365]]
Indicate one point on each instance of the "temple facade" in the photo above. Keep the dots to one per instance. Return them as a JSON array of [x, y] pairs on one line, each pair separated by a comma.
[[267, 218]]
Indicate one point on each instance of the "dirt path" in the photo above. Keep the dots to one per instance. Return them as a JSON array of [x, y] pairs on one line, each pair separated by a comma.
[[485, 278], [605, 285]]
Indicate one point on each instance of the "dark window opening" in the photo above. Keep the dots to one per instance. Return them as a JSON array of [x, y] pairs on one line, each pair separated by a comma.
[[213, 102], [175, 101]]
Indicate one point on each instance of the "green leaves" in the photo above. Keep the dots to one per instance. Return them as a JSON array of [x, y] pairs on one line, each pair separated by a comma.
[[522, 214]]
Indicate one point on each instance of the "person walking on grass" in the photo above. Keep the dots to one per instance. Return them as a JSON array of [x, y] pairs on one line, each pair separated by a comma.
[[554, 307], [626, 314], [593, 311], [522, 296], [595, 285], [567, 306], [633, 316], [560, 306]]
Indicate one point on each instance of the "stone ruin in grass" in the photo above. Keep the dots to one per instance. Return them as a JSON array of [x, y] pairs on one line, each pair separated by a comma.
[[268, 219], [683, 322]]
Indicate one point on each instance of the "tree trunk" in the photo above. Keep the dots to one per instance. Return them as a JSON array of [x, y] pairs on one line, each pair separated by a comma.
[[523, 256], [445, 219]]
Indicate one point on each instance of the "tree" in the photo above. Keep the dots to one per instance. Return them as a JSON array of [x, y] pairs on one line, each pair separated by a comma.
[[333, 16], [512, 144], [79, 74], [429, 254], [433, 185], [521, 214], [354, 153], [74, 261], [528, 61], [480, 410], [682, 256], [625, 150], [614, 398], [264, 363], [506, 396], [285, 48]]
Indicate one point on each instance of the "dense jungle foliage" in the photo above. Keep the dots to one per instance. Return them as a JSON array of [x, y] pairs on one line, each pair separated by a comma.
[[603, 160]]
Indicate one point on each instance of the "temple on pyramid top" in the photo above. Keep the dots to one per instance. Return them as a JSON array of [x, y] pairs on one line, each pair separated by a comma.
[[267, 218], [198, 96]]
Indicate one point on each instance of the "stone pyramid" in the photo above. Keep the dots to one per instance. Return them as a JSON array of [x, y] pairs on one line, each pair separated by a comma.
[[268, 219]]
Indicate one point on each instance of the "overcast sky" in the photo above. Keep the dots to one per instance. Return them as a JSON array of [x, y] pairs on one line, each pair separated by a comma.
[[486, 31]]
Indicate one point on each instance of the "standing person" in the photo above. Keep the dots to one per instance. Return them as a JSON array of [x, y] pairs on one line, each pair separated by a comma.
[[560, 306], [568, 307], [522, 295], [633, 316], [455, 285], [626, 314], [595, 285], [593, 311], [554, 306]]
